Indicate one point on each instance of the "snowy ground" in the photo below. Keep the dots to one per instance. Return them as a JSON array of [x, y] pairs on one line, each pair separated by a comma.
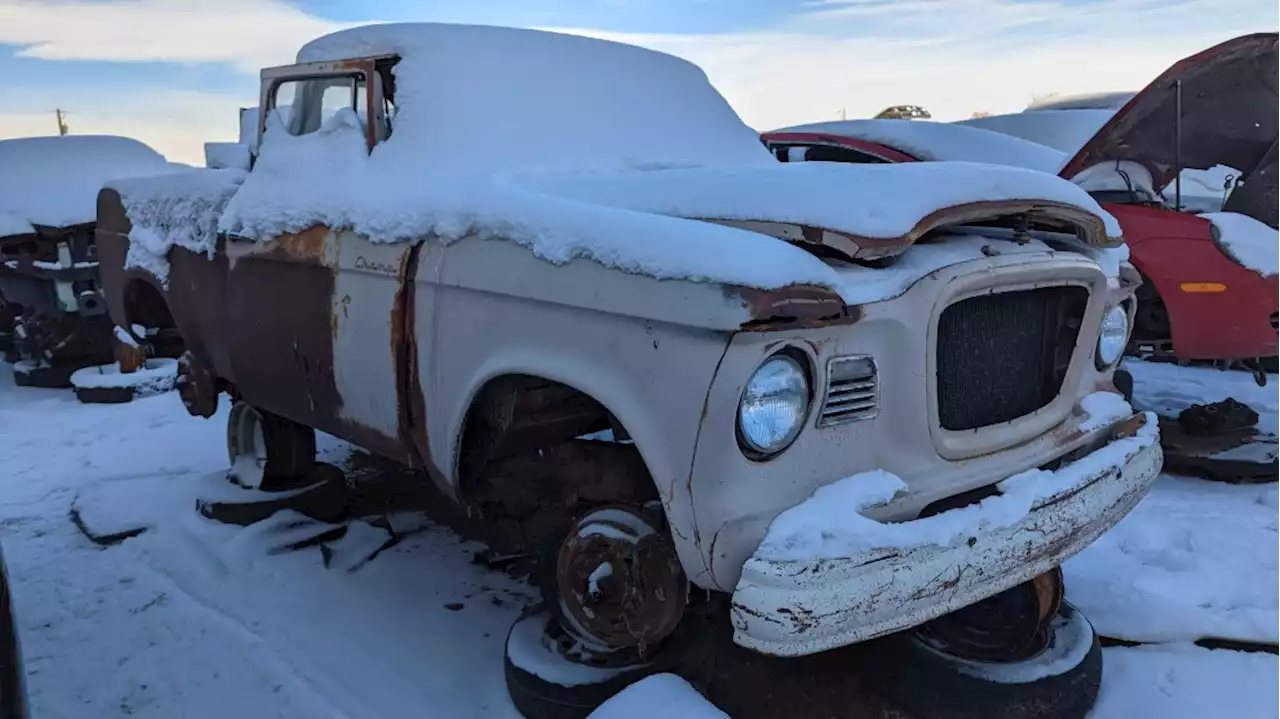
[[196, 619]]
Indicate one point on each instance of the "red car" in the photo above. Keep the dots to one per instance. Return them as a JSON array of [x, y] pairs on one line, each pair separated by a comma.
[[1210, 284]]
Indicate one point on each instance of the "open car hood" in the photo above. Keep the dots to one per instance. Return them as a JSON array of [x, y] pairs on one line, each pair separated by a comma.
[[852, 212], [1228, 115]]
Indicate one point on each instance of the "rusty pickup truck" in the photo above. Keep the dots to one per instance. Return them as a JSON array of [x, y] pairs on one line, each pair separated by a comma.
[[625, 260]]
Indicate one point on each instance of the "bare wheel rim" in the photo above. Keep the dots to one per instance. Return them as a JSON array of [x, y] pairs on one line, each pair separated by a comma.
[[246, 445], [619, 585], [1014, 625]]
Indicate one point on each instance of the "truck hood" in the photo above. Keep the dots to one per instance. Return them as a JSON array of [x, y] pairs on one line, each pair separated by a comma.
[[1228, 114], [843, 210]]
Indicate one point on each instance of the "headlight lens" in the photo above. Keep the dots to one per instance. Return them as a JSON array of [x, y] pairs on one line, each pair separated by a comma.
[[1113, 336], [774, 406]]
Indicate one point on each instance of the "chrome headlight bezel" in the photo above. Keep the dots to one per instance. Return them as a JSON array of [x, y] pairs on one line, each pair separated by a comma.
[[1113, 336], [792, 377]]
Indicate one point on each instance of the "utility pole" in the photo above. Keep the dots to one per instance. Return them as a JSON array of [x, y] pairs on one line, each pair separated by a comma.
[[62, 122], [842, 117]]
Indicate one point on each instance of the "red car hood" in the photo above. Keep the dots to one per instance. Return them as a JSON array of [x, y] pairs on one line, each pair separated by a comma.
[[1228, 114]]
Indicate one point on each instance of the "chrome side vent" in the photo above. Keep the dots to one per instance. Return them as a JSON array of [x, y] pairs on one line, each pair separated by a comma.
[[853, 391]]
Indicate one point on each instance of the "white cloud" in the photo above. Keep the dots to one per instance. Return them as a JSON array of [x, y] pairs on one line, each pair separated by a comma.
[[250, 34], [954, 57]]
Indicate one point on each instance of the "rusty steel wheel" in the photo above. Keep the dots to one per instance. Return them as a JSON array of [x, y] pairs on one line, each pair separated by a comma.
[[1011, 626], [616, 584], [196, 386], [1023, 653]]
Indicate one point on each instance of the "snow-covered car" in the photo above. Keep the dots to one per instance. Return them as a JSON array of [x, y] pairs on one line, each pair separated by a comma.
[[847, 399], [49, 289], [1188, 168]]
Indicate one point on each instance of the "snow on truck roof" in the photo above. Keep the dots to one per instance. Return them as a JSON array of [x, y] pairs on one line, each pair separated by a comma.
[[54, 181], [579, 148], [941, 141]]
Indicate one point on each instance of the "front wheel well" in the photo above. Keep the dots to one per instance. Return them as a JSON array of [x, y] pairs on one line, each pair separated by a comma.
[[535, 452], [145, 306]]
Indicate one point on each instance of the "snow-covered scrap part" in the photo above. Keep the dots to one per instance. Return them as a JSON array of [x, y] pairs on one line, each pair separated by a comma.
[[660, 695], [155, 376], [54, 181], [941, 141], [830, 524], [178, 209], [1250, 243]]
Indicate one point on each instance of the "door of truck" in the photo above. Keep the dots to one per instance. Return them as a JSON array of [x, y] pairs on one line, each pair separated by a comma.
[[318, 316]]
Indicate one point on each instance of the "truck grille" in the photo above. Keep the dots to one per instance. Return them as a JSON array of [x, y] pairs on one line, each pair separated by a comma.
[[1001, 356]]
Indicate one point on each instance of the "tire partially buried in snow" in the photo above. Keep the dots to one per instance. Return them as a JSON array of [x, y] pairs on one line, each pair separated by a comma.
[[105, 384], [544, 684], [1060, 682]]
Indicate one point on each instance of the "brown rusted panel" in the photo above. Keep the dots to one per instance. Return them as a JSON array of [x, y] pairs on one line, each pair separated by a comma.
[[306, 246], [1038, 213], [793, 307], [410, 401]]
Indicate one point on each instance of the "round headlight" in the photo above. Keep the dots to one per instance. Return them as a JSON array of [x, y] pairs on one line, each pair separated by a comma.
[[774, 405], [1113, 336]]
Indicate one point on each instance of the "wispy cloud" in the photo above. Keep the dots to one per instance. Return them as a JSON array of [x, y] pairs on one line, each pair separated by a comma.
[[954, 57], [248, 34]]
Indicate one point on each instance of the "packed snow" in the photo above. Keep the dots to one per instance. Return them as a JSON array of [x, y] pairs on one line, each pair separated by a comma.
[[178, 209], [660, 695], [1249, 242], [226, 155], [1196, 559], [197, 619], [1184, 681], [829, 524], [54, 181], [941, 141]]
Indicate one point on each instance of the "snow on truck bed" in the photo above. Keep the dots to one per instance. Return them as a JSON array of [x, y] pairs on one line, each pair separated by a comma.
[[54, 181], [581, 148]]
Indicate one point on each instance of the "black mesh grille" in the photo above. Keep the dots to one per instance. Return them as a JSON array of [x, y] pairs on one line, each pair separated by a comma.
[[1001, 356]]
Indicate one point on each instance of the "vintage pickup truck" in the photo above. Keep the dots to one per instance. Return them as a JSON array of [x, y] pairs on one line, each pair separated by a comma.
[[466, 248]]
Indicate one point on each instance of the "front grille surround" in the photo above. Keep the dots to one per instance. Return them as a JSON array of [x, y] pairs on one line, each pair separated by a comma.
[[1005, 354]]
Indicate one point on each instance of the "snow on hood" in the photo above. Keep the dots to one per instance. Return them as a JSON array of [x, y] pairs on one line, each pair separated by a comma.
[[933, 141], [1250, 243], [1063, 130], [54, 181], [874, 201], [583, 148], [1084, 101]]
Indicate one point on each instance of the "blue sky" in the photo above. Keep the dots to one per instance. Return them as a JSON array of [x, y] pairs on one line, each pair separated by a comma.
[[173, 72]]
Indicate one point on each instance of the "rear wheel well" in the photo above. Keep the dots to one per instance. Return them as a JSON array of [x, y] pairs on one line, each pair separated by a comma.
[[144, 305], [523, 460]]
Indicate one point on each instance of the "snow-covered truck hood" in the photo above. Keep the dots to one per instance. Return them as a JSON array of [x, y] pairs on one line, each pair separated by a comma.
[[857, 211], [1228, 114]]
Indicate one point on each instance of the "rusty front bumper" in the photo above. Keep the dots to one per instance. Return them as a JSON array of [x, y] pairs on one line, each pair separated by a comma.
[[797, 608]]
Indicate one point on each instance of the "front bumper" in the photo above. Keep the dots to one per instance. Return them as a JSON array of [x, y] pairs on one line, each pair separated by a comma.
[[795, 608]]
